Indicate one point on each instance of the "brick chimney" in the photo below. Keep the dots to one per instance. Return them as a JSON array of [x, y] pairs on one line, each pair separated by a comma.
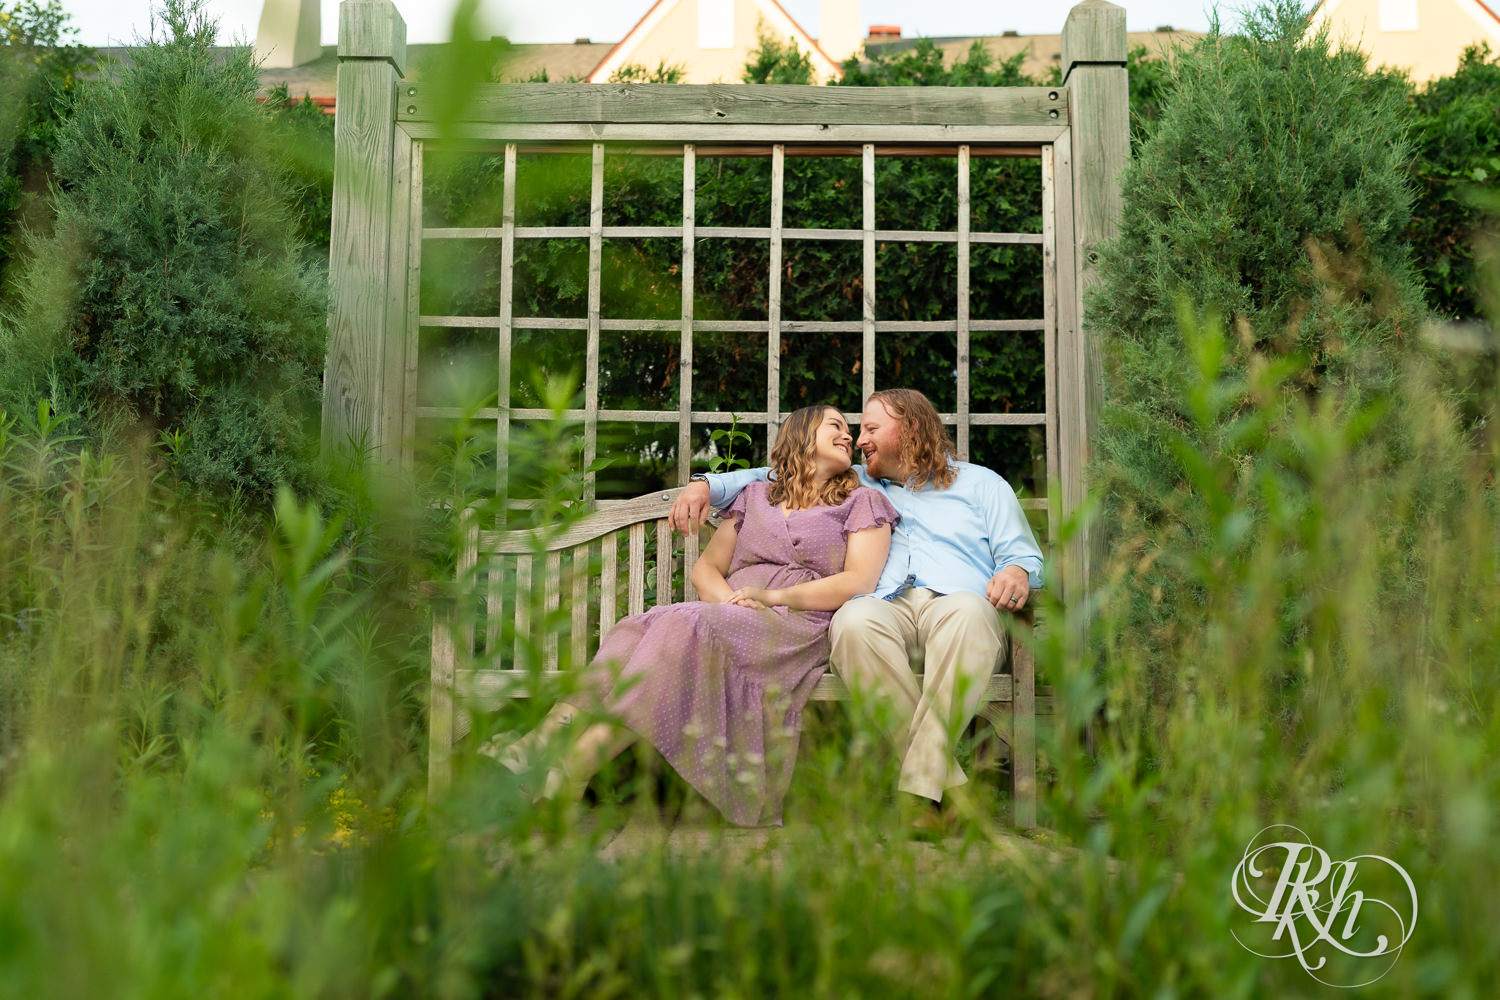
[[290, 33], [838, 34], [885, 32]]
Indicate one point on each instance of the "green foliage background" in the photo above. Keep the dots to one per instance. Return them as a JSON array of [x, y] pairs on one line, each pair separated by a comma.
[[172, 291], [40, 70], [211, 768], [1261, 280]]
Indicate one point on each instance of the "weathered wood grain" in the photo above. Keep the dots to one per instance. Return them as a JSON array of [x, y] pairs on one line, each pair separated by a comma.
[[690, 555], [354, 380], [773, 297], [723, 232], [609, 582], [1094, 70], [962, 304], [506, 318], [372, 29], [666, 563], [804, 139], [867, 297], [745, 326], [685, 348], [578, 579], [591, 349], [753, 150], [551, 595], [699, 416], [740, 104], [523, 611], [410, 309], [635, 600]]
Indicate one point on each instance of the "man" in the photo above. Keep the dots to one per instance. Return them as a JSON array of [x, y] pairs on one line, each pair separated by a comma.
[[962, 551]]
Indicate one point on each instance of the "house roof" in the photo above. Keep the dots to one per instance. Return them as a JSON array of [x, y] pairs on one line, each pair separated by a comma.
[[1479, 8], [780, 22], [580, 60], [1043, 52]]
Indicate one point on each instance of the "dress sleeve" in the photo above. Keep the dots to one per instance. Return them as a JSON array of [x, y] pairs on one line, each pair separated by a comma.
[[736, 510], [868, 509]]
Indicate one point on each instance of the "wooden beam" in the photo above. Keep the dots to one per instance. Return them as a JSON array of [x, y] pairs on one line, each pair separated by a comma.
[[740, 104], [482, 137], [591, 349], [962, 304], [773, 300], [409, 308], [1093, 50], [722, 232], [867, 298], [763, 149], [685, 356], [507, 314], [372, 54]]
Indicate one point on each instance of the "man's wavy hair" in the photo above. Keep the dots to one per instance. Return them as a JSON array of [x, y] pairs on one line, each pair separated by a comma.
[[927, 451], [794, 462]]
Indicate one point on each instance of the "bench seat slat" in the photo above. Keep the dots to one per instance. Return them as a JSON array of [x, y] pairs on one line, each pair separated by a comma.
[[578, 640], [666, 565], [636, 599], [523, 608], [608, 582], [551, 592]]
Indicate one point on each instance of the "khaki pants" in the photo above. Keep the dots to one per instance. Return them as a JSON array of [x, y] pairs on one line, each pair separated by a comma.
[[957, 637]]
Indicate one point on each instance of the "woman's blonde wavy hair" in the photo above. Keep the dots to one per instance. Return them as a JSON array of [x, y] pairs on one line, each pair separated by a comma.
[[793, 461], [927, 451]]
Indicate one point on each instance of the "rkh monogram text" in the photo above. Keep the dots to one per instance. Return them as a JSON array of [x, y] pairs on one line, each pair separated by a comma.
[[1314, 906]]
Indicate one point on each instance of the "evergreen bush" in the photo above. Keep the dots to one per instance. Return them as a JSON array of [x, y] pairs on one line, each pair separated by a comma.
[[1260, 255], [173, 291], [39, 71], [1457, 136]]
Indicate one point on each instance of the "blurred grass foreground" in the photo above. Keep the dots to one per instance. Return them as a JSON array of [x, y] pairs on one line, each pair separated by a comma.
[[212, 700]]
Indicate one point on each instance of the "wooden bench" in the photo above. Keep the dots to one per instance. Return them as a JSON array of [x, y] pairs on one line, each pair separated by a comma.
[[514, 578]]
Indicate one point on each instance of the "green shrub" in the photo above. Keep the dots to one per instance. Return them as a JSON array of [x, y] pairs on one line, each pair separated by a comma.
[[1456, 132], [173, 291], [776, 61], [39, 72], [1260, 258]]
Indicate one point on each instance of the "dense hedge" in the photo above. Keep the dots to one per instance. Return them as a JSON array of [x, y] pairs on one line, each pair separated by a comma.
[[173, 292], [1260, 286], [1456, 134], [1455, 150], [40, 69]]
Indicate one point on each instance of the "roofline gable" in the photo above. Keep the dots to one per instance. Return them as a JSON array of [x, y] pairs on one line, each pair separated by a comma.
[[774, 12], [1480, 12]]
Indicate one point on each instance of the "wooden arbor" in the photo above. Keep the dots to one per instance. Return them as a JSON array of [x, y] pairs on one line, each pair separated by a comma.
[[1078, 132]]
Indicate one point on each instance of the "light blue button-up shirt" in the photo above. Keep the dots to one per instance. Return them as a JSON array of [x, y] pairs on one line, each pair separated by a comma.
[[948, 540]]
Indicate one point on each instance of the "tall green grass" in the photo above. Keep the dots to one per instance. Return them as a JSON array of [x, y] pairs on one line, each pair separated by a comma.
[[213, 775]]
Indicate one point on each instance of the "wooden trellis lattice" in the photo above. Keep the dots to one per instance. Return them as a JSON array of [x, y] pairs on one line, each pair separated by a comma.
[[385, 123]]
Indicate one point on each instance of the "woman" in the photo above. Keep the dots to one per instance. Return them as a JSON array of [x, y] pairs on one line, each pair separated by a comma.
[[718, 685]]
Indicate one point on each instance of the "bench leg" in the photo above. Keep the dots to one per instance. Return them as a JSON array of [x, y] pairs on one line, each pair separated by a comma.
[[1023, 726], [440, 710]]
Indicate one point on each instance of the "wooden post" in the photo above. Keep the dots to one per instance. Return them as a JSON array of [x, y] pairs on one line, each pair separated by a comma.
[[364, 338], [1093, 60]]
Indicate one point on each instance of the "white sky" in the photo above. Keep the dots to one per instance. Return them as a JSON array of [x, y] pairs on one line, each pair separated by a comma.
[[117, 22]]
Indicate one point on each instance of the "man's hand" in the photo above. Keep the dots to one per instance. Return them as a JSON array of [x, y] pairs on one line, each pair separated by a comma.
[[1009, 589], [690, 509]]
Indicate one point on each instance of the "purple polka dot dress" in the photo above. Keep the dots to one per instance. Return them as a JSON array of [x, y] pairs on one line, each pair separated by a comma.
[[719, 689]]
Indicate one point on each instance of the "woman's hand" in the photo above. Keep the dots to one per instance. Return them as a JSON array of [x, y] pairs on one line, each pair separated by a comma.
[[752, 597]]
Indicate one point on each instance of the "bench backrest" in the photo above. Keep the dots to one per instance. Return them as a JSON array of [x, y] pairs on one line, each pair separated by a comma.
[[579, 580]]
